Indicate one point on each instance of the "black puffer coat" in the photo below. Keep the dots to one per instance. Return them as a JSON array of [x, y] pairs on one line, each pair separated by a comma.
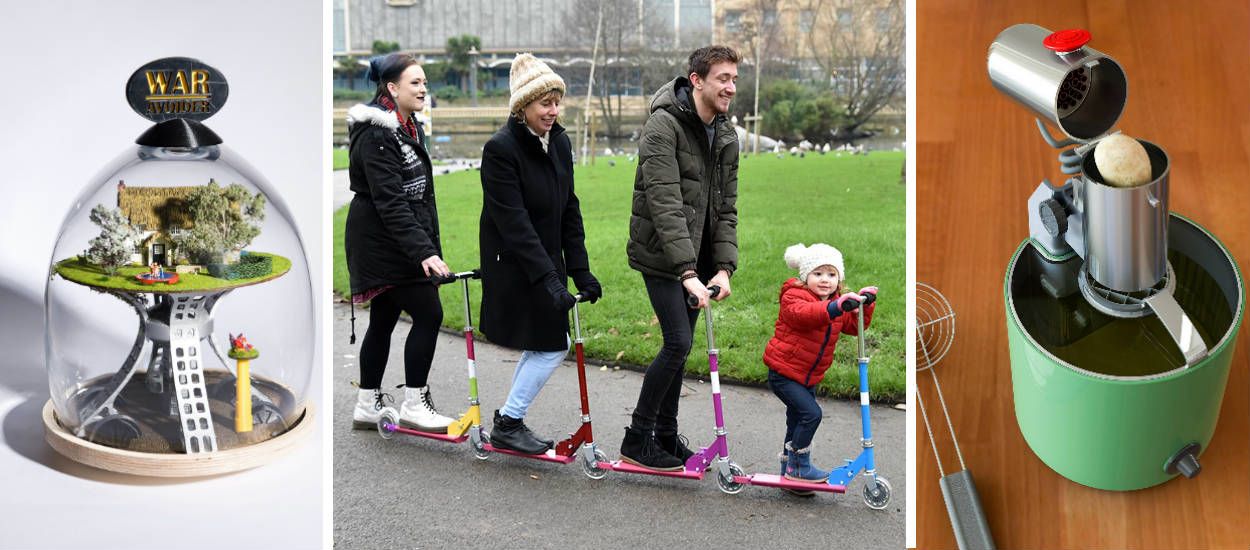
[[392, 223], [531, 224]]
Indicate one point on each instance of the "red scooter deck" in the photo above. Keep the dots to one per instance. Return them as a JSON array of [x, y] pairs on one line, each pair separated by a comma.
[[430, 435], [549, 456], [622, 466], [773, 480]]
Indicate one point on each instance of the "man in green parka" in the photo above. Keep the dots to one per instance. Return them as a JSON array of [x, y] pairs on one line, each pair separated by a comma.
[[682, 234]]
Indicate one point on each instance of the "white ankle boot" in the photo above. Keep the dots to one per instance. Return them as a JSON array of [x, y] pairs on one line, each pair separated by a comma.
[[369, 405], [417, 411]]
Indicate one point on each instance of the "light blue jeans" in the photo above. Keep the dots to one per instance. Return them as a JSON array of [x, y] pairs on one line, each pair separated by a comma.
[[531, 374]]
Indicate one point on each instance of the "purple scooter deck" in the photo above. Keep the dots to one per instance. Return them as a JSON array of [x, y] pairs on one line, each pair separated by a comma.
[[773, 480], [549, 456], [622, 466], [428, 435]]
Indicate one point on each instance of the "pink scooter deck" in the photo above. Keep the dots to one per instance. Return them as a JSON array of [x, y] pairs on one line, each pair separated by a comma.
[[773, 480], [430, 435], [549, 456], [622, 466]]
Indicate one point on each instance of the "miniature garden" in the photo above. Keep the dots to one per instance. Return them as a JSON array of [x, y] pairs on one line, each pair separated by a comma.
[[175, 239]]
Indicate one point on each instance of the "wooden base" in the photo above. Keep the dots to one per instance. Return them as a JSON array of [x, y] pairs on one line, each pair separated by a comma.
[[171, 464]]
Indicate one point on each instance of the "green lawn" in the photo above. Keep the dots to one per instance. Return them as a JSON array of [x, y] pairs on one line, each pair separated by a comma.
[[79, 271], [855, 203], [340, 159]]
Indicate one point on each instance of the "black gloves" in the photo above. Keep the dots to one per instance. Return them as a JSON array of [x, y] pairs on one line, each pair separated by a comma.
[[587, 285], [561, 300]]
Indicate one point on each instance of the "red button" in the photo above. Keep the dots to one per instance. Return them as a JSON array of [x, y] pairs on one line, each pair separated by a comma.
[[1068, 40]]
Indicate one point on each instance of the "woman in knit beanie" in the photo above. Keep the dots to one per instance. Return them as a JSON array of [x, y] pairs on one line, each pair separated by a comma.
[[531, 242]]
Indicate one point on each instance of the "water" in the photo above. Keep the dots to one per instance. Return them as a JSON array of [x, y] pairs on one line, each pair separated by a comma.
[[1072, 330]]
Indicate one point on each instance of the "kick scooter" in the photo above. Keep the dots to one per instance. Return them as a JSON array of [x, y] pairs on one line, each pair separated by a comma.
[[579, 444], [716, 454], [469, 425], [877, 491]]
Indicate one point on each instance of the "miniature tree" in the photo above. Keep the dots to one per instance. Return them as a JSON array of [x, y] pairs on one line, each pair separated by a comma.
[[226, 220], [115, 244]]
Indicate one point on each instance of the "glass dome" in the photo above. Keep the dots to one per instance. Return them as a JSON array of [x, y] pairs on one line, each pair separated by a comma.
[[178, 307]]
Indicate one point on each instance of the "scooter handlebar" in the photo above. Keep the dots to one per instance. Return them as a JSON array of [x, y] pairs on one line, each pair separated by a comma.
[[851, 305], [453, 277], [692, 300]]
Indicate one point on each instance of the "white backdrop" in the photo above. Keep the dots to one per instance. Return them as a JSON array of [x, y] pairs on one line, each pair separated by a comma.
[[63, 116]]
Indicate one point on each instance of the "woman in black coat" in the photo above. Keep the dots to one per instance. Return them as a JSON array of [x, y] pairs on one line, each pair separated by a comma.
[[531, 241], [391, 240]]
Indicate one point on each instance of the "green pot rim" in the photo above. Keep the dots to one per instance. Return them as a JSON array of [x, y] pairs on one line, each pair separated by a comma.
[[1228, 338]]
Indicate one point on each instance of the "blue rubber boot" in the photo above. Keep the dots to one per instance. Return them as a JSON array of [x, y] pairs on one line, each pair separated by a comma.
[[800, 467], [784, 458]]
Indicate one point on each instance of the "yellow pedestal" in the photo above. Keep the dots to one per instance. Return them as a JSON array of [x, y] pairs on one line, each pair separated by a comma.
[[243, 398]]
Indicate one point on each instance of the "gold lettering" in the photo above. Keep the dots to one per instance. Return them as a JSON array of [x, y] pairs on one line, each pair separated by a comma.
[[180, 82], [199, 81], [157, 81]]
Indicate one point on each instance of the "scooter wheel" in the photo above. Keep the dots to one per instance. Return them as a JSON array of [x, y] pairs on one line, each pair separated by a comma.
[[389, 417], [593, 471], [729, 486], [877, 493], [479, 446]]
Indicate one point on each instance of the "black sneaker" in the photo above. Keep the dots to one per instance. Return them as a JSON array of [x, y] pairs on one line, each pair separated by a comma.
[[510, 433], [548, 442], [641, 449], [675, 444]]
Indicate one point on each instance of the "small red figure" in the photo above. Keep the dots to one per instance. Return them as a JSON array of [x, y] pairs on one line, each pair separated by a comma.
[[240, 342]]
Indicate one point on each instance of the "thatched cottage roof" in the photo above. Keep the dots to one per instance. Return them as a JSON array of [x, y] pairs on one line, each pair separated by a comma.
[[156, 208]]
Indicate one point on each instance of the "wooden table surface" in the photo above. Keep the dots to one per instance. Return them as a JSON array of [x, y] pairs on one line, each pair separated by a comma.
[[979, 157]]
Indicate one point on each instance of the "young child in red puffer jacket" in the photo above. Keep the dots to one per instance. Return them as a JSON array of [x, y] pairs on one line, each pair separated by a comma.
[[808, 324]]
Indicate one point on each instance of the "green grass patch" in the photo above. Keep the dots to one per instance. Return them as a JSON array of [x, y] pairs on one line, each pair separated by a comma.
[[77, 270], [340, 159], [855, 203]]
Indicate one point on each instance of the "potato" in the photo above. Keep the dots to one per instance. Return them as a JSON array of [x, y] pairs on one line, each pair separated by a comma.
[[1122, 161]]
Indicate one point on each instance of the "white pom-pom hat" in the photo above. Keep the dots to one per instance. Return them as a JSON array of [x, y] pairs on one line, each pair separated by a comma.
[[807, 258]]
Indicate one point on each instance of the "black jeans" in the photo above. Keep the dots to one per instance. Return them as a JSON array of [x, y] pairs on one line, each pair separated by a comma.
[[802, 411], [422, 304], [661, 384]]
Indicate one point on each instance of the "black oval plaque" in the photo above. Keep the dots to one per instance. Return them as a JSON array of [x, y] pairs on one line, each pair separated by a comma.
[[176, 87]]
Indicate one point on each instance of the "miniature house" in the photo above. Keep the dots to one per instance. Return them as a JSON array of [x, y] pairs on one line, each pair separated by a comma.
[[160, 214]]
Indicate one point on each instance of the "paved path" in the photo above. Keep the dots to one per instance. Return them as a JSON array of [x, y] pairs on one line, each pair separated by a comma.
[[418, 493]]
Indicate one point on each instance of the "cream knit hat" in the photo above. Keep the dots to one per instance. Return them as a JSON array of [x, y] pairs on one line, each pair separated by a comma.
[[807, 258], [529, 79]]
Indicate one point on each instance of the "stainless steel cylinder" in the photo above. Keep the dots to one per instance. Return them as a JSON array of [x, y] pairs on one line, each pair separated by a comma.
[[1126, 227], [1082, 92]]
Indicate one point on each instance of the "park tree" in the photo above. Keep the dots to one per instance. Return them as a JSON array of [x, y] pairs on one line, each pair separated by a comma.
[[860, 46], [226, 219], [349, 68], [382, 47], [459, 60], [115, 244], [634, 49]]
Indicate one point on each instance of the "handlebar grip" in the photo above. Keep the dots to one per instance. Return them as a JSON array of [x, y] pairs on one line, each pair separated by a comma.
[[869, 298], [443, 279], [579, 297], [453, 277], [850, 305], [693, 301]]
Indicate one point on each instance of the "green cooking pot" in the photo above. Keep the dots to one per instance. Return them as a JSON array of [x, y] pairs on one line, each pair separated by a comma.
[[1108, 402]]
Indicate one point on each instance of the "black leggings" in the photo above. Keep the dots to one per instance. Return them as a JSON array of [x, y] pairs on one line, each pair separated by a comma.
[[422, 304], [661, 385]]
